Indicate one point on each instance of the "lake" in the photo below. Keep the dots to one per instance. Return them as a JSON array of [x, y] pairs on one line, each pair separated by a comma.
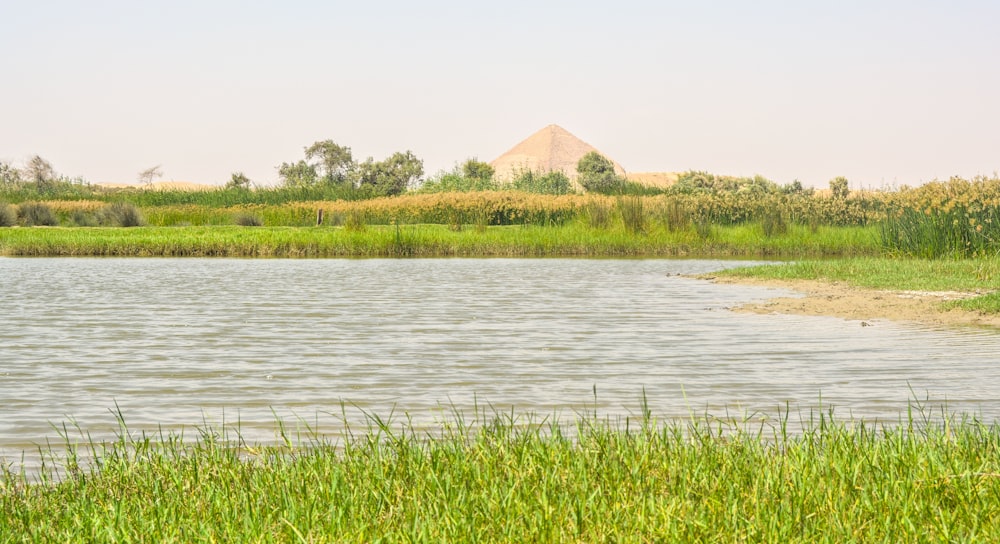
[[178, 343]]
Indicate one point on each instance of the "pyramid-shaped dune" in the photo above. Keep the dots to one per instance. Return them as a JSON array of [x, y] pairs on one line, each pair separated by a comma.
[[552, 149]]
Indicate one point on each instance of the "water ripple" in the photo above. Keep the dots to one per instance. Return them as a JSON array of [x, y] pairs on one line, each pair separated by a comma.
[[178, 342]]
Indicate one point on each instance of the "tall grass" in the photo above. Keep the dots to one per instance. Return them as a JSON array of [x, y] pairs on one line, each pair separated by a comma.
[[957, 231], [358, 238], [954, 218], [502, 477]]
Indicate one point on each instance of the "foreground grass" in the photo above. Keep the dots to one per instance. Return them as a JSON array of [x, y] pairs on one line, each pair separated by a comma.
[[506, 479], [432, 240], [969, 275]]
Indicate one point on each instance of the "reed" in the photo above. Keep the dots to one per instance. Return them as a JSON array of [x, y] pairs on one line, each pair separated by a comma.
[[940, 219], [501, 477], [359, 238]]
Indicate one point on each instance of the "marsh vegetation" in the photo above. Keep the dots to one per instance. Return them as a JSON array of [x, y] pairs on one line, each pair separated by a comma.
[[505, 477]]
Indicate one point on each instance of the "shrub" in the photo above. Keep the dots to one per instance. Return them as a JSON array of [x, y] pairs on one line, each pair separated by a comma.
[[355, 221], [84, 219], [249, 220], [839, 187], [8, 215], [479, 170], [550, 183], [597, 174], [122, 214], [36, 213], [457, 181]]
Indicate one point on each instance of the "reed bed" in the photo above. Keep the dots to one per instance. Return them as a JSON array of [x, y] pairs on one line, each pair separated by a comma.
[[363, 240], [500, 477], [957, 218]]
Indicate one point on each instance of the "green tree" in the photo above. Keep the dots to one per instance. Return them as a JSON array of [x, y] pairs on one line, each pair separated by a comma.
[[839, 187], [238, 181], [335, 161], [476, 169], [298, 174], [597, 174], [391, 176]]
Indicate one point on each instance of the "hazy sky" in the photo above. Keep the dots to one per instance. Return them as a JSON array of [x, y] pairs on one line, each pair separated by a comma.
[[883, 92]]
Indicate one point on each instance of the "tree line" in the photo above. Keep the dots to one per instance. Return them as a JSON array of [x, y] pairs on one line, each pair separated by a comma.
[[331, 168]]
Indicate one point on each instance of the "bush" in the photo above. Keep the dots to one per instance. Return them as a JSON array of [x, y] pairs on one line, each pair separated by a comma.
[[84, 219], [8, 215], [456, 181], [248, 220], [122, 214], [597, 174], [839, 187], [355, 221], [695, 182], [550, 183], [36, 214]]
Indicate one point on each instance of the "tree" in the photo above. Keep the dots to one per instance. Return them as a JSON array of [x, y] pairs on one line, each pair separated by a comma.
[[146, 176], [392, 176], [597, 174], [335, 161], [8, 174], [298, 174], [238, 181], [476, 169], [839, 187], [39, 170]]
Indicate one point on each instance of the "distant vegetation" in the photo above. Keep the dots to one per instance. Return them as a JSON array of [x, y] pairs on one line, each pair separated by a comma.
[[956, 218]]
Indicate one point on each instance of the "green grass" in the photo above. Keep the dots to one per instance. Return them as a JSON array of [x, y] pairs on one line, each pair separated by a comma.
[[968, 275], [575, 239], [503, 478], [986, 304], [886, 273]]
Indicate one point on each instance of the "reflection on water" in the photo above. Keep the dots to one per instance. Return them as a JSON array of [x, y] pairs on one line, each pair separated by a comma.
[[179, 342]]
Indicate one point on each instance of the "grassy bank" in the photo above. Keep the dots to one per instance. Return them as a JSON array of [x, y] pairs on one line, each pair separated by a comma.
[[506, 479], [966, 275], [958, 218], [431, 240]]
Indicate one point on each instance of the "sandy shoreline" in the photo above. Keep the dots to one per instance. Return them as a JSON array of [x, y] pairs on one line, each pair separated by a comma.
[[866, 305]]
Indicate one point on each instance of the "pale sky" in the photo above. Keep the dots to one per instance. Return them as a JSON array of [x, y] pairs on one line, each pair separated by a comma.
[[884, 92]]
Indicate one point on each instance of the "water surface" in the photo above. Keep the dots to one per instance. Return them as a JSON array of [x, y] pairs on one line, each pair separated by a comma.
[[176, 343]]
